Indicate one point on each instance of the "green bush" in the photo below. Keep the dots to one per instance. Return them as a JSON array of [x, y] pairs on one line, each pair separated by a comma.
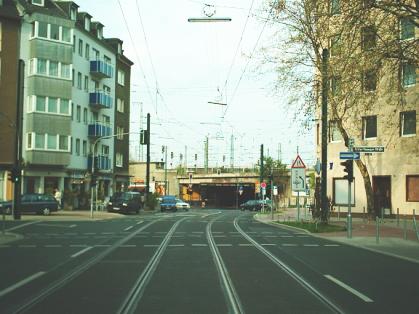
[[152, 201]]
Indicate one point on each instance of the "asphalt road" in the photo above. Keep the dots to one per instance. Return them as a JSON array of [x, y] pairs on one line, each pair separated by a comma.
[[211, 261]]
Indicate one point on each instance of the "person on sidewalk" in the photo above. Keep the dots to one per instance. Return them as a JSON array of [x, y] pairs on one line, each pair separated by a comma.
[[57, 196]]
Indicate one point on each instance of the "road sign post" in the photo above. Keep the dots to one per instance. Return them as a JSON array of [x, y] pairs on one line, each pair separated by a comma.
[[298, 180]]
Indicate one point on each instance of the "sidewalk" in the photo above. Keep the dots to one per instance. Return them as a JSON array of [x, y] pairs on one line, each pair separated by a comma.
[[391, 237], [68, 215]]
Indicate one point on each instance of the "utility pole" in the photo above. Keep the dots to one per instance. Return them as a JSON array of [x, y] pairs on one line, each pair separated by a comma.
[[232, 153], [186, 157], [148, 136], [166, 184], [325, 84], [206, 154], [17, 167], [261, 169], [141, 149]]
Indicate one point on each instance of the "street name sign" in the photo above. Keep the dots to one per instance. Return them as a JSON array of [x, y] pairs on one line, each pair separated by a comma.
[[368, 149], [349, 155]]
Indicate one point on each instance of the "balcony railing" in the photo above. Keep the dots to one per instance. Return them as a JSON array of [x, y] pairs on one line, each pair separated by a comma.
[[102, 162], [99, 99], [101, 69], [98, 129]]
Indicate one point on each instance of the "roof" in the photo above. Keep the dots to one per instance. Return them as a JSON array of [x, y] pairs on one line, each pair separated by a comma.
[[50, 8], [9, 11]]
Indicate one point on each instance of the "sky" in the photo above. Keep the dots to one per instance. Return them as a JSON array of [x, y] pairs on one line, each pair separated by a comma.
[[179, 67]]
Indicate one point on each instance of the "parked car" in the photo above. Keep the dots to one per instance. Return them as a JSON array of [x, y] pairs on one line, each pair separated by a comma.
[[125, 202], [33, 203], [256, 205], [168, 202], [182, 205]]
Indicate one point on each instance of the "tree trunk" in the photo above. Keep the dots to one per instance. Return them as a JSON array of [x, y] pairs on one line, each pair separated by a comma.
[[367, 185]]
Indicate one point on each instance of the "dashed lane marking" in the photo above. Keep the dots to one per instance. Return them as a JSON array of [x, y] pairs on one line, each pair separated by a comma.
[[128, 228], [363, 297], [176, 245], [311, 245], [53, 245], [245, 244], [81, 252], [331, 245], [199, 244], [289, 244], [224, 244], [21, 283]]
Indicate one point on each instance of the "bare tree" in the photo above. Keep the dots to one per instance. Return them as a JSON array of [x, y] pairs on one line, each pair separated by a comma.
[[366, 63]]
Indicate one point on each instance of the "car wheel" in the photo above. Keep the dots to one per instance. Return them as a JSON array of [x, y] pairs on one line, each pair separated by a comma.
[[46, 211]]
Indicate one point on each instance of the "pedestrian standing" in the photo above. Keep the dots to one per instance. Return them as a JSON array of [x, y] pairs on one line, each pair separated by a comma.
[[57, 196]]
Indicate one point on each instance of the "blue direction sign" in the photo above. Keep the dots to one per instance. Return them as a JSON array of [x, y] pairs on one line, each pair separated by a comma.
[[349, 155]]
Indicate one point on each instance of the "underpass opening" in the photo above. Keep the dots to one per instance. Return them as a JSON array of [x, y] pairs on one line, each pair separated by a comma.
[[226, 195]]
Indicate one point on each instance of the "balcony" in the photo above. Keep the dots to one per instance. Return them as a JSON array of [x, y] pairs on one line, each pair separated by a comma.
[[98, 129], [101, 69], [100, 100], [102, 162]]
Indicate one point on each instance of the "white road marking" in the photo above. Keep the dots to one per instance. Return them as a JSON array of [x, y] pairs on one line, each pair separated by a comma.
[[108, 232], [53, 245], [21, 283], [102, 245], [310, 245], [224, 244], [128, 228], [27, 245], [331, 245], [289, 244], [286, 236], [140, 222], [215, 232], [268, 244], [151, 245], [245, 244], [199, 232], [199, 244], [72, 226], [70, 233], [24, 225], [4, 246], [128, 245], [219, 236], [176, 245], [82, 251], [78, 245], [350, 289], [89, 233], [271, 236]]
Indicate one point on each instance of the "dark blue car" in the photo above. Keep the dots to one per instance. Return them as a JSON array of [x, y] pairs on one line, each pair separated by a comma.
[[168, 202], [33, 203]]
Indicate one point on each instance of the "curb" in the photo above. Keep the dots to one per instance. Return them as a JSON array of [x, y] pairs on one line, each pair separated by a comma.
[[340, 242]]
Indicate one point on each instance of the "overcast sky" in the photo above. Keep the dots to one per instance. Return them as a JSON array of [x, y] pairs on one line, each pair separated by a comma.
[[180, 67]]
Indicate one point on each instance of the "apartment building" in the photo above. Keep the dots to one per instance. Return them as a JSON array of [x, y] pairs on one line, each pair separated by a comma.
[[9, 52], [376, 104], [70, 103]]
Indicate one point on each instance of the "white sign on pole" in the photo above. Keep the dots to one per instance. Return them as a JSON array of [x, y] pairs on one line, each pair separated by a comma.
[[298, 179]]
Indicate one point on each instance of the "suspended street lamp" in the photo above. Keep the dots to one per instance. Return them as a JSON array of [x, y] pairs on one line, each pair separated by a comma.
[[209, 11]]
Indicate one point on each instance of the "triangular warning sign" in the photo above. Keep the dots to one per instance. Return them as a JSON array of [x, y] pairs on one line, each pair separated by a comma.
[[298, 163]]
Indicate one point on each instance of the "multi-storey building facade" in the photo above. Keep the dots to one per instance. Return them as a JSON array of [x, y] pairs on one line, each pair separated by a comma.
[[378, 109], [69, 111], [9, 57]]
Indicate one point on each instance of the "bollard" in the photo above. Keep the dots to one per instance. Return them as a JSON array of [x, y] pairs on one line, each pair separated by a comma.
[[405, 228], [377, 230], [398, 217], [338, 213]]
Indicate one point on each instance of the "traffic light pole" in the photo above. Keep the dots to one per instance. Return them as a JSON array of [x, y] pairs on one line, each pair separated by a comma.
[[147, 186], [325, 85]]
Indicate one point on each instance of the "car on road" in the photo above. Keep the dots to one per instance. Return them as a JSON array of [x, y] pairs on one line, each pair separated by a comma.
[[180, 204], [168, 202], [33, 203], [255, 205], [125, 202]]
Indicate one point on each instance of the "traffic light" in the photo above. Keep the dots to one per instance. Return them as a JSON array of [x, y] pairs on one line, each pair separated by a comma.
[[144, 137], [171, 155], [13, 175], [349, 169], [10, 176]]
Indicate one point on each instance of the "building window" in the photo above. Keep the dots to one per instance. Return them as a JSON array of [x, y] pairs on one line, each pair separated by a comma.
[[29, 140], [66, 34], [119, 160], [50, 68], [334, 132], [72, 77], [120, 105], [52, 104], [334, 7], [73, 14], [78, 113], [87, 24], [74, 43], [86, 83], [369, 38], [65, 106], [105, 150], [51, 31], [335, 46], [53, 68], [96, 53], [408, 123], [119, 133], [42, 29], [87, 52], [85, 115], [84, 148], [369, 127], [63, 143], [41, 66], [335, 85], [78, 147], [369, 81], [121, 77], [408, 74], [80, 47], [48, 142], [54, 32], [65, 70], [412, 188], [407, 28], [79, 80]]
